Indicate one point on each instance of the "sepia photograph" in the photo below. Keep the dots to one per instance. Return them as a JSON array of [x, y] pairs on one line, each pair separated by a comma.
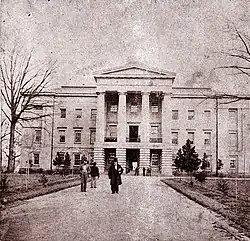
[[125, 120]]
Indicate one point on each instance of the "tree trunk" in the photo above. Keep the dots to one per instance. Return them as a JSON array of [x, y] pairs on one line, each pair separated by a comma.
[[11, 158]]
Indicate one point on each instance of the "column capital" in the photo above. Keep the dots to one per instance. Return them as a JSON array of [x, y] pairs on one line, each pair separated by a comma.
[[147, 93], [122, 93]]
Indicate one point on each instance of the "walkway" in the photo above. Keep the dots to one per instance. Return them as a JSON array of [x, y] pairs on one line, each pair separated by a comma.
[[145, 209]]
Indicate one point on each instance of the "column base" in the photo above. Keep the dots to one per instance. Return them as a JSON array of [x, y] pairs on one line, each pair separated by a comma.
[[144, 160], [99, 158]]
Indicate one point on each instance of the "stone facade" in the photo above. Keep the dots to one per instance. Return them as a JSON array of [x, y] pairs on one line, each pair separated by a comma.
[[135, 114]]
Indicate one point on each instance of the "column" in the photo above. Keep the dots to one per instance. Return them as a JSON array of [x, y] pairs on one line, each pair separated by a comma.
[[166, 165], [121, 156], [122, 121], [99, 158], [166, 120], [100, 119], [145, 118]]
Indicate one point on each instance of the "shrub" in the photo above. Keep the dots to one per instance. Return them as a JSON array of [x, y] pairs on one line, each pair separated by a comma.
[[43, 180], [201, 176], [222, 185]]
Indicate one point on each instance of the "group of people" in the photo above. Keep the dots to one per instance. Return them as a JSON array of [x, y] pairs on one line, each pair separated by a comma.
[[114, 173]]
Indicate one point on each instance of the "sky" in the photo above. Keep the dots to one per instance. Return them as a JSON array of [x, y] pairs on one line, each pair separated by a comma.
[[185, 37]]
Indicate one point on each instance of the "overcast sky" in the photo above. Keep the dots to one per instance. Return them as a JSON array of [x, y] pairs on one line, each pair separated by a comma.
[[182, 36]]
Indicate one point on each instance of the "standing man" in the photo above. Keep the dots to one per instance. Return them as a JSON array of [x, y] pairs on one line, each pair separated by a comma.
[[84, 172], [94, 172], [115, 171]]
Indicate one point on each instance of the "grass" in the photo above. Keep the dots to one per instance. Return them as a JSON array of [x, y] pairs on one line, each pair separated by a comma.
[[19, 190], [234, 205]]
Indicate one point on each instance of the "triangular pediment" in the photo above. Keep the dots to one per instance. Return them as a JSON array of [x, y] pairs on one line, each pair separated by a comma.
[[136, 69]]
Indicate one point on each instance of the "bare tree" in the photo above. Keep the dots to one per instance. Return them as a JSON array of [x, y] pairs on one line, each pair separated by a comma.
[[22, 82], [239, 56]]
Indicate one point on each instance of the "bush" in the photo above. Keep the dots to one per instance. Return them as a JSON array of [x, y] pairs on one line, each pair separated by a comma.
[[222, 185], [43, 180], [201, 176]]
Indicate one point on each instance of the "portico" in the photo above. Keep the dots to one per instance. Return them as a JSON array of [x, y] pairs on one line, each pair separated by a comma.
[[134, 113]]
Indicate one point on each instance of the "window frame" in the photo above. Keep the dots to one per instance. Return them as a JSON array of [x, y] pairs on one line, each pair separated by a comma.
[[175, 114], [60, 135], [63, 113], [93, 114], [209, 139], [76, 154], [92, 138], [175, 140], [38, 138], [191, 117], [191, 132], [35, 159], [77, 134], [78, 112]]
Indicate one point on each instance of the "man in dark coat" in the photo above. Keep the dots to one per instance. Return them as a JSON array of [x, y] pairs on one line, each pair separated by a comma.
[[115, 171], [94, 172]]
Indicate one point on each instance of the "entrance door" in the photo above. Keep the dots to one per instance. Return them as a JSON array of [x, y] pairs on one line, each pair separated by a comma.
[[132, 159], [133, 133], [109, 153]]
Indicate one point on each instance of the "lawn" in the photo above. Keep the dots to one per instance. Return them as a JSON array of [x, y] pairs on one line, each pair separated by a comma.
[[19, 190], [233, 204]]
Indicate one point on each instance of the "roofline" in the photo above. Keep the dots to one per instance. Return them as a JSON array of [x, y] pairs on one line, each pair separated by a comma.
[[130, 65]]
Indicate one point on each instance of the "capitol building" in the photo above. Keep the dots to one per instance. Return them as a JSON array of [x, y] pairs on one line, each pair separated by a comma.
[[135, 113]]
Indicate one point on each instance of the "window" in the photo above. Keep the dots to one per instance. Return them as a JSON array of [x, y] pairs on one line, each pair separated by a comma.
[[38, 136], [175, 115], [175, 138], [36, 158], [207, 138], [233, 162], [233, 119], [233, 140], [78, 136], [155, 108], [92, 136], [190, 114], [133, 108], [93, 114], [77, 159], [63, 112], [113, 130], [154, 131], [207, 114], [113, 108], [62, 136], [191, 137], [78, 113]]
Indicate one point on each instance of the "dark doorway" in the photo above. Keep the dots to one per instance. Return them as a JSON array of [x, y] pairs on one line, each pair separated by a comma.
[[132, 159], [133, 133], [109, 153]]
